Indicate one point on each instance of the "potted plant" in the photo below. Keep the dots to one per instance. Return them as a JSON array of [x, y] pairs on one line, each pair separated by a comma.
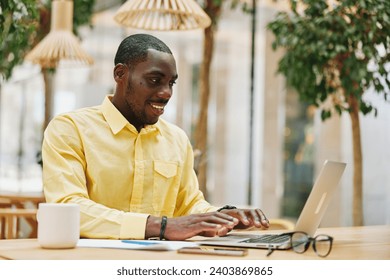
[[334, 52]]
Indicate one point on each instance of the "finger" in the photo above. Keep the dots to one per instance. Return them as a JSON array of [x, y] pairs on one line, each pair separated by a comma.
[[208, 233], [254, 217], [208, 222], [243, 218], [208, 229], [194, 229], [263, 218], [229, 217], [222, 232], [226, 220], [220, 218]]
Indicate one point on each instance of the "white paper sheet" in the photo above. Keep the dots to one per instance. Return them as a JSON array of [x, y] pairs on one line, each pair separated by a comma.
[[154, 245]]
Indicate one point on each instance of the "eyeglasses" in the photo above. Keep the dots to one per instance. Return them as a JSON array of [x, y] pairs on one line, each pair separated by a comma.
[[300, 242]]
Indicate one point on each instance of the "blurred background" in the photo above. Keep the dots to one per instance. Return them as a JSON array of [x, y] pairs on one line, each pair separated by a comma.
[[264, 145]]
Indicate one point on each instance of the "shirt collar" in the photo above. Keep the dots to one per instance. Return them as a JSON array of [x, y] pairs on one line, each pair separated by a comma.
[[117, 121]]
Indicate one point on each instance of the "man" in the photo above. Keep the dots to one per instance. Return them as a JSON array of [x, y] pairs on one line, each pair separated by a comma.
[[130, 171]]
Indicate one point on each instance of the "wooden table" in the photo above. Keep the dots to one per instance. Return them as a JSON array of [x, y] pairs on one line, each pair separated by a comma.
[[350, 243], [21, 205]]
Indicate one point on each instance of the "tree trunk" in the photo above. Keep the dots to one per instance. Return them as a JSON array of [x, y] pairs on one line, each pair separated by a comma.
[[201, 126], [48, 80], [1, 81], [357, 211]]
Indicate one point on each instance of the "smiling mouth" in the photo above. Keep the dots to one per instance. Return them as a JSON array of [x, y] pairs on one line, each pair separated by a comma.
[[157, 109]]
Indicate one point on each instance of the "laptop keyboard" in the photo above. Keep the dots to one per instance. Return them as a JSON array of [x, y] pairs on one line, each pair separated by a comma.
[[268, 238]]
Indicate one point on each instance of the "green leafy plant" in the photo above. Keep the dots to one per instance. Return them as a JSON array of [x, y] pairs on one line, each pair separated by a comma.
[[23, 24], [18, 23], [333, 55]]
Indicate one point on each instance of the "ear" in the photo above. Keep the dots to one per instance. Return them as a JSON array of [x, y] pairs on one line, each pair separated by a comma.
[[120, 71]]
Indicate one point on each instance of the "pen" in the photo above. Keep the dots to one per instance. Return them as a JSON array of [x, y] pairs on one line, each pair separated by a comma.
[[139, 242]]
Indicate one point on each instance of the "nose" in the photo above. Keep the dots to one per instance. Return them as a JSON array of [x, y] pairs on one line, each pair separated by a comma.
[[165, 92]]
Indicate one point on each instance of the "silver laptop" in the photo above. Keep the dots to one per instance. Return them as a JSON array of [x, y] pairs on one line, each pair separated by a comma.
[[308, 221]]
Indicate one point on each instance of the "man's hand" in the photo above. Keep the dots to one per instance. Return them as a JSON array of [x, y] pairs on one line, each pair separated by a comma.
[[181, 228], [248, 218]]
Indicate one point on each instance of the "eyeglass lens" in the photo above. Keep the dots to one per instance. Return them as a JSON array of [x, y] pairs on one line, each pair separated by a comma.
[[322, 244]]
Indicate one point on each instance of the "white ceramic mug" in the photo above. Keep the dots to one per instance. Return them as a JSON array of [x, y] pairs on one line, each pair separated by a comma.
[[58, 225]]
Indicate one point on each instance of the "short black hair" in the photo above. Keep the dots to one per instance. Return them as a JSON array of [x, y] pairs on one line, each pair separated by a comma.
[[134, 49]]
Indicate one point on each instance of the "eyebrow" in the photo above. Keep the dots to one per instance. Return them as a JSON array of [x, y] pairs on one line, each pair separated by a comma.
[[162, 74]]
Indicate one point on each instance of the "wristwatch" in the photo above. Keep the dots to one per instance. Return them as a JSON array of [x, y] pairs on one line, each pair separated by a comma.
[[227, 207]]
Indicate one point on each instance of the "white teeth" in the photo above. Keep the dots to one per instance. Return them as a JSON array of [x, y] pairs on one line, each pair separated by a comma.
[[158, 107]]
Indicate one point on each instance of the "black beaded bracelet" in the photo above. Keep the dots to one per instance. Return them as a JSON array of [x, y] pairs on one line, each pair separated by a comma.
[[164, 220], [227, 207]]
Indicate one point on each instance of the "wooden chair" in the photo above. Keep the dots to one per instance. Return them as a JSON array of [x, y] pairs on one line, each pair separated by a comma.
[[9, 222], [5, 202]]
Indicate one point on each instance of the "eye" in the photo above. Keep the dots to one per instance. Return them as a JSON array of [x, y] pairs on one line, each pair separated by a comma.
[[154, 81], [172, 83]]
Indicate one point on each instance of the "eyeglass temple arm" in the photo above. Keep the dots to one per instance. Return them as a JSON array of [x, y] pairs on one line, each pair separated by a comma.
[[270, 251]]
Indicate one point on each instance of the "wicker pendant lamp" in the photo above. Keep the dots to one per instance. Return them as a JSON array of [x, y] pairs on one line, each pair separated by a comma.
[[162, 15], [60, 43]]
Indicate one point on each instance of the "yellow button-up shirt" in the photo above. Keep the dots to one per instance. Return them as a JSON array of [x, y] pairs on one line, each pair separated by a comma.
[[94, 157]]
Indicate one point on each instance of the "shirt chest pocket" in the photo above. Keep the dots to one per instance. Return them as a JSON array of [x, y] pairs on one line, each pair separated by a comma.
[[165, 186]]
